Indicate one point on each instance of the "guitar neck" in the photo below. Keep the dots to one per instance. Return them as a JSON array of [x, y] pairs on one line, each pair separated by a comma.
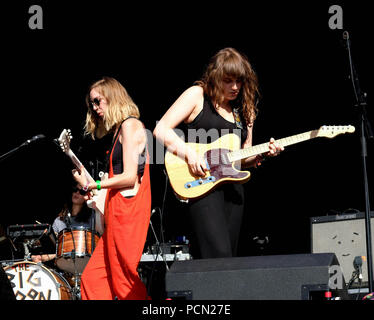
[[78, 164], [264, 147]]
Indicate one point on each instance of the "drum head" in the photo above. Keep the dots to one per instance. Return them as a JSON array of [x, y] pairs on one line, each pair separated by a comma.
[[32, 281]]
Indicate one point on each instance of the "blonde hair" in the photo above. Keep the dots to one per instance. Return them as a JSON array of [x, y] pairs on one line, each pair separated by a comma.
[[120, 107], [229, 62]]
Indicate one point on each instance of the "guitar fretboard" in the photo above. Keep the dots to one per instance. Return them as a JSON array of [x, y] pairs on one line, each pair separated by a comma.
[[264, 147], [78, 164]]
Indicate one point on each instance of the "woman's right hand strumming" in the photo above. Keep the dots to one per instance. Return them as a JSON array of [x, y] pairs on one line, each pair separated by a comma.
[[196, 163]]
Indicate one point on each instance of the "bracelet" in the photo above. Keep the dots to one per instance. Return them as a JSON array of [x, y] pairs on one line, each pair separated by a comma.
[[98, 184], [259, 158], [84, 190]]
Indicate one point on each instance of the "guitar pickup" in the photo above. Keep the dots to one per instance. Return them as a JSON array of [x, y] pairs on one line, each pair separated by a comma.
[[199, 182]]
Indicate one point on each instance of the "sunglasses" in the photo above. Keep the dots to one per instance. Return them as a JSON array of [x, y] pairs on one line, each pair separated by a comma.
[[81, 192], [94, 102]]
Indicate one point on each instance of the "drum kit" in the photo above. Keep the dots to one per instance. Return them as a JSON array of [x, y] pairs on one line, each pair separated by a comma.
[[59, 280]]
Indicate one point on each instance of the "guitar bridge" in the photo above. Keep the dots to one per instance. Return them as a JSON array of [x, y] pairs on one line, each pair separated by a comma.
[[199, 182]]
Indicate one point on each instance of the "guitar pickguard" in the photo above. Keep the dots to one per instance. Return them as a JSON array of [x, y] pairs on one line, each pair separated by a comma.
[[220, 167]]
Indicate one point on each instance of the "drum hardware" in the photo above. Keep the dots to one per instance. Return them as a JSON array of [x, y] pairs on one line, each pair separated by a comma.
[[68, 223]]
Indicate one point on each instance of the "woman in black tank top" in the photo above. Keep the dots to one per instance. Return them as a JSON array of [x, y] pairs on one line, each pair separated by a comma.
[[223, 101]]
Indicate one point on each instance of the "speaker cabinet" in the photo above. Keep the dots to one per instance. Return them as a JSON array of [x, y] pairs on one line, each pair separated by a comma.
[[344, 235], [279, 277]]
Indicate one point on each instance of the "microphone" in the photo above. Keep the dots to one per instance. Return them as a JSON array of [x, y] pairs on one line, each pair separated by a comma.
[[357, 264], [346, 40], [154, 210], [68, 219], [33, 139], [68, 224]]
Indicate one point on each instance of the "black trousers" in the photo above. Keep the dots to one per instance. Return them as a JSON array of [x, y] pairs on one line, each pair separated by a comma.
[[216, 221]]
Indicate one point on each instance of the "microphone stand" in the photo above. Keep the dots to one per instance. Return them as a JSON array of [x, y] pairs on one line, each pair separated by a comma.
[[26, 143], [365, 127], [76, 290]]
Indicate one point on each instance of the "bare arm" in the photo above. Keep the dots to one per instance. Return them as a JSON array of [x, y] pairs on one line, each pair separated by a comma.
[[185, 109]]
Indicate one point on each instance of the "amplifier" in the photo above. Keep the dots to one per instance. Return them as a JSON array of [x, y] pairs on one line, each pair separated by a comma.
[[40, 238], [28, 230], [344, 235], [168, 257], [167, 252]]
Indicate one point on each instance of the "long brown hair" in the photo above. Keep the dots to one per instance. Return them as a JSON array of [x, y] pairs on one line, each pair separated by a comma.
[[83, 214], [229, 62]]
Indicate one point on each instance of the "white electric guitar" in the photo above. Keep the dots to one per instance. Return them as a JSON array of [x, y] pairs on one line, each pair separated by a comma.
[[97, 202]]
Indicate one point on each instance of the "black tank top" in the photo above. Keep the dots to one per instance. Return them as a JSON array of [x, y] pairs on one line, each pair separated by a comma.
[[209, 125], [117, 157]]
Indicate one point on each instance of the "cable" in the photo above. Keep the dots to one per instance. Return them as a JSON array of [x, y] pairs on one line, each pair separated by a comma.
[[159, 251], [163, 207]]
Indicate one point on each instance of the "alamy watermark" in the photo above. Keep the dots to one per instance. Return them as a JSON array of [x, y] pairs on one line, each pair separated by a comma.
[[336, 278], [201, 136], [336, 18], [335, 21], [36, 18]]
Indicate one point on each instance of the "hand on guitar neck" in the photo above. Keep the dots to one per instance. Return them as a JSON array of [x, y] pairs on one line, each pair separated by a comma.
[[274, 149], [83, 180]]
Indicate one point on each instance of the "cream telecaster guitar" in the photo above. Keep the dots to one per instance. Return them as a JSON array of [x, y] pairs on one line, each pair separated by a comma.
[[98, 196], [221, 156]]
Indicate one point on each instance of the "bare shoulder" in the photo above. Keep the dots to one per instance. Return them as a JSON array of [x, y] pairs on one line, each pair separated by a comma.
[[194, 92], [132, 122], [184, 108], [132, 127], [195, 96]]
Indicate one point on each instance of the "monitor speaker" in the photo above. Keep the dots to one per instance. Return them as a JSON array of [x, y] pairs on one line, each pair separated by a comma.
[[278, 277]]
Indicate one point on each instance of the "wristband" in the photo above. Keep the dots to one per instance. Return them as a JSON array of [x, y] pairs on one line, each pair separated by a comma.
[[98, 184]]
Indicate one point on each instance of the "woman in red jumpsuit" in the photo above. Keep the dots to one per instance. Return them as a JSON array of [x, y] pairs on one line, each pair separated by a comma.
[[112, 270]]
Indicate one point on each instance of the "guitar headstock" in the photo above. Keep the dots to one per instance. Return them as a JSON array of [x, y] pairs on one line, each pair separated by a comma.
[[333, 131], [64, 140]]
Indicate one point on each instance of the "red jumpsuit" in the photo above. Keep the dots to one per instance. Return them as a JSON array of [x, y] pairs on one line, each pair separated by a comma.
[[112, 270]]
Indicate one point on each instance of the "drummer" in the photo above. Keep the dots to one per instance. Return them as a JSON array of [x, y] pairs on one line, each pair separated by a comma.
[[74, 214]]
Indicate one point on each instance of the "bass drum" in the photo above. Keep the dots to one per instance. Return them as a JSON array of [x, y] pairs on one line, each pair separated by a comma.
[[33, 281]]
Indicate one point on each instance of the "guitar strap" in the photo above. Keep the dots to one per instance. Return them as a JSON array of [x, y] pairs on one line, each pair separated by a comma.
[[238, 121]]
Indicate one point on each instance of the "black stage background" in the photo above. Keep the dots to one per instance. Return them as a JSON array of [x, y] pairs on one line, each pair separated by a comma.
[[158, 49]]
